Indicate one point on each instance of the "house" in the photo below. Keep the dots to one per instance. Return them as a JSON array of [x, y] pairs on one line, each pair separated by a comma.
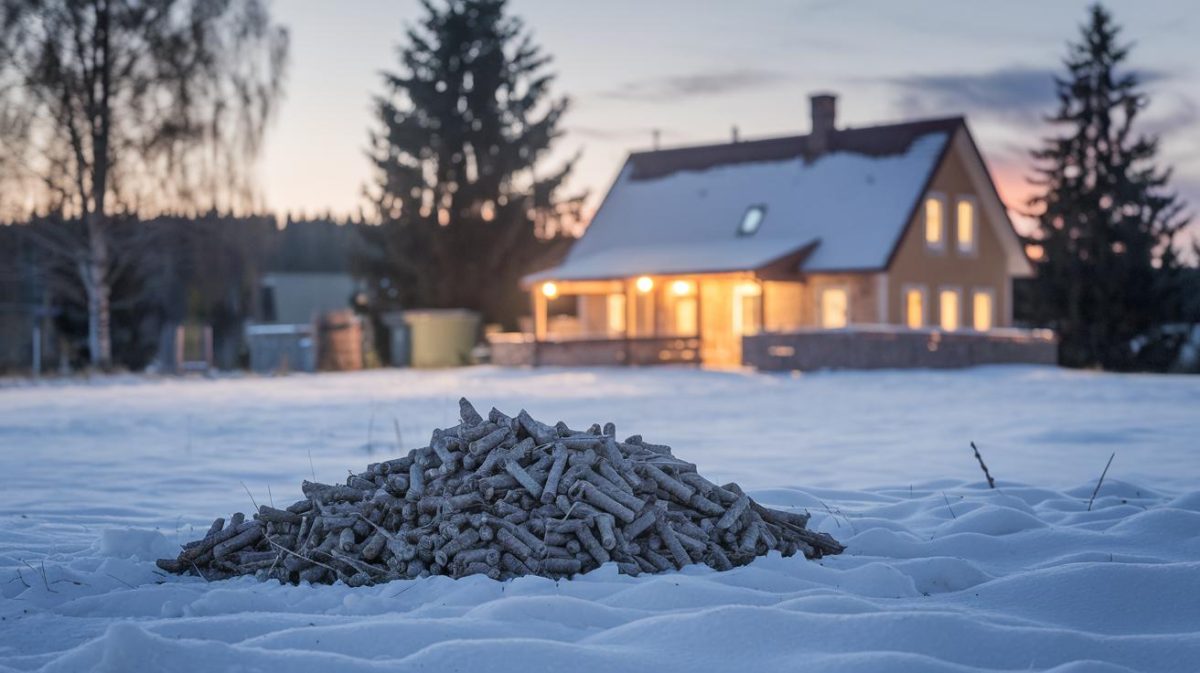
[[881, 246]]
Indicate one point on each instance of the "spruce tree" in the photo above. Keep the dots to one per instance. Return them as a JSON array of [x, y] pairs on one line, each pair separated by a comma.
[[1109, 278], [464, 128]]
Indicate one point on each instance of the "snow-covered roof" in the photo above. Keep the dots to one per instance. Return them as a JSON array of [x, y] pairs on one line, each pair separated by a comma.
[[677, 211]]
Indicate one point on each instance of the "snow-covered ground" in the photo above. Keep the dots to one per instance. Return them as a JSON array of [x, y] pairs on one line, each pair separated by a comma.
[[940, 574]]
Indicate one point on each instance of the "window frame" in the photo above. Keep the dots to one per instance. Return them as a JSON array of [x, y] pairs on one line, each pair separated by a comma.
[[973, 249], [924, 292], [958, 303], [990, 292], [940, 245], [762, 208], [833, 287]]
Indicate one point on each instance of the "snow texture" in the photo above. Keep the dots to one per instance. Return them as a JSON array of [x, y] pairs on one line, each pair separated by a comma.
[[853, 205], [940, 573]]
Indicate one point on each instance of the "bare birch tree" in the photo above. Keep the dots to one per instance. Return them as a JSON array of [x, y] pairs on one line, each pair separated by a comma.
[[117, 107]]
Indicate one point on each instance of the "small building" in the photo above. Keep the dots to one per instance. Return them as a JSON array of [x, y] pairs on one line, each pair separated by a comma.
[[859, 247], [305, 322], [300, 297]]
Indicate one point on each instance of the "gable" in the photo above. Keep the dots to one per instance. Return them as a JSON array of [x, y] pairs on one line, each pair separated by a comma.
[[962, 171], [850, 204], [1017, 262]]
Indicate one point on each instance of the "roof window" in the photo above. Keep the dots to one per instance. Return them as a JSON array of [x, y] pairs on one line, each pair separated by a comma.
[[752, 220]]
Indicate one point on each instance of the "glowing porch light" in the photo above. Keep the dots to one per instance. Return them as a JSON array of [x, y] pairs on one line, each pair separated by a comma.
[[681, 288], [549, 290], [644, 284]]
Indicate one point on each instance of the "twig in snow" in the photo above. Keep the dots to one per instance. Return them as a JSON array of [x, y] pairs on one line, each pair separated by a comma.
[[834, 513], [399, 436], [403, 590], [120, 580], [45, 581], [991, 482], [830, 512], [22, 578], [306, 558], [199, 571], [312, 467], [371, 431], [948, 505], [1097, 490], [269, 496], [252, 502]]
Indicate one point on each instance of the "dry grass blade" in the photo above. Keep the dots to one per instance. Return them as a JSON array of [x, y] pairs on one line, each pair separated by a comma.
[[247, 489], [1101, 482], [42, 574], [948, 505], [991, 482]]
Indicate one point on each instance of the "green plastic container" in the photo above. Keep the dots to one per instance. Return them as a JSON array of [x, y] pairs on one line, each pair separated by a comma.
[[441, 337]]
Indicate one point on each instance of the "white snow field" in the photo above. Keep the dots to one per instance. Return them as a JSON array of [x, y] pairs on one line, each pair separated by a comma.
[[940, 573]]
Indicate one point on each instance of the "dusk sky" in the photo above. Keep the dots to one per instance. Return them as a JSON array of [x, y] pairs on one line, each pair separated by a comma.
[[696, 69]]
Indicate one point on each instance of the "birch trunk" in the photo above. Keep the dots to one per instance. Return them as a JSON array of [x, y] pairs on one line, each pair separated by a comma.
[[95, 282]]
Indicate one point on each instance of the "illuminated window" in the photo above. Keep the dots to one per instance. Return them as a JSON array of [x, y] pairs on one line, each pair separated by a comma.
[[948, 308], [752, 220], [686, 315], [981, 310], [935, 222], [616, 313], [835, 308], [966, 225], [914, 307], [747, 308], [684, 307]]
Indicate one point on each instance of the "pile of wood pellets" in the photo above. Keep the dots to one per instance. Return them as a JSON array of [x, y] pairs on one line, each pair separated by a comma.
[[504, 497]]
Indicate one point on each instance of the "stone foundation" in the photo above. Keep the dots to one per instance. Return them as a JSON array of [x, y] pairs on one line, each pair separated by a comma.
[[888, 348]]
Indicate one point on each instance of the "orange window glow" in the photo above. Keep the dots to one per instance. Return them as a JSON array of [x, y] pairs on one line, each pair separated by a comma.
[[934, 222], [981, 310], [966, 225], [948, 308], [914, 308]]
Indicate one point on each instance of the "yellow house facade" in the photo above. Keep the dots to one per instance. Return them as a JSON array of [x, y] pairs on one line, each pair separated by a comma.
[[695, 253]]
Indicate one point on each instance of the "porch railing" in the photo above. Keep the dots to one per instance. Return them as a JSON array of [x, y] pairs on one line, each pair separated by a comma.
[[523, 349]]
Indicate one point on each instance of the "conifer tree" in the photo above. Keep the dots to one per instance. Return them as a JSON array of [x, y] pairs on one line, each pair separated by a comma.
[[1109, 278], [464, 129]]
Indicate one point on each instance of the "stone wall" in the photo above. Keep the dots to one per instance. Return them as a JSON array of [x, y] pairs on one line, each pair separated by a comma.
[[886, 348]]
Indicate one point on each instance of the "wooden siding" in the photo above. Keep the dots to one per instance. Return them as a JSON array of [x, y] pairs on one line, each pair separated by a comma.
[[984, 269]]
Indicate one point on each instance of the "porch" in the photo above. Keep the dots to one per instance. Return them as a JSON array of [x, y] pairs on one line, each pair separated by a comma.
[[682, 319]]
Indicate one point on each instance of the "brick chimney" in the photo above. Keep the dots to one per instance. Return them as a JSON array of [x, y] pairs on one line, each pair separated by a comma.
[[824, 114]]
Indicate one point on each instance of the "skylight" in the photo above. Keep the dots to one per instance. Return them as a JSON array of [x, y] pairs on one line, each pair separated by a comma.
[[752, 220]]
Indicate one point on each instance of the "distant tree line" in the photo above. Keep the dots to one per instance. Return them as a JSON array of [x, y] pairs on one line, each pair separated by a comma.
[[203, 269]]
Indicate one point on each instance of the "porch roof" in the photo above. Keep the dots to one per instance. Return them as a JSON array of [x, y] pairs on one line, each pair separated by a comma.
[[677, 259]]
